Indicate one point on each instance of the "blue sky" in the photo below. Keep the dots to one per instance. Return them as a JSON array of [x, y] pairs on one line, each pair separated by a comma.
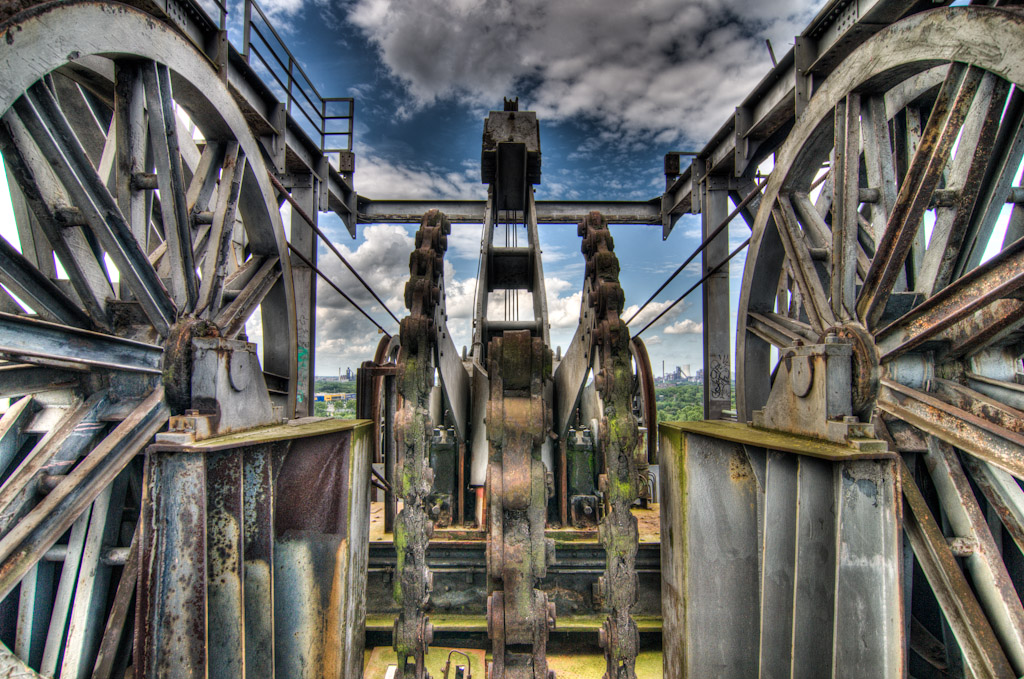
[[616, 86]]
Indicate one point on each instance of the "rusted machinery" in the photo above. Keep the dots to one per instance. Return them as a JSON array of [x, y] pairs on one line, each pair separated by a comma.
[[164, 513], [508, 409]]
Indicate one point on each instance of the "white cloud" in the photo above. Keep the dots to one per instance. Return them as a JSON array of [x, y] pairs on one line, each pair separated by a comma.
[[464, 240], [380, 178], [671, 69], [649, 312], [564, 312], [685, 327]]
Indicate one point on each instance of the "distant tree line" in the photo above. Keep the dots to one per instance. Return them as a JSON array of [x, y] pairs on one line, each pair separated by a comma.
[[680, 403], [334, 387], [342, 409]]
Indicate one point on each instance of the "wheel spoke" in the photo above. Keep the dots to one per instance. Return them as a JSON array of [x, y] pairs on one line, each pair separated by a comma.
[[922, 178], [253, 282], [93, 581], [19, 379], [43, 196], [26, 542], [12, 429], [119, 611], [974, 635], [28, 338], [966, 172], [988, 572], [38, 291], [1005, 392], [55, 453], [997, 278], [845, 206], [968, 432], [130, 131], [163, 134], [807, 277], [45, 123], [219, 239], [879, 165], [987, 327], [980, 405], [1004, 494], [1008, 151], [779, 330]]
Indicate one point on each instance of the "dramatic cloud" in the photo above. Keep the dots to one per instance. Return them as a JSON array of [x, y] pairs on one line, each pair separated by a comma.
[[379, 178], [666, 69], [685, 327]]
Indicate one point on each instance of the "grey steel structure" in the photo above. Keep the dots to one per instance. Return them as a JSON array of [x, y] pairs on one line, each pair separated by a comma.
[[167, 510]]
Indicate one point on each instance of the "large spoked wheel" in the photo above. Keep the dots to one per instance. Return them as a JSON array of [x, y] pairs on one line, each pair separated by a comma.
[[144, 216], [911, 250]]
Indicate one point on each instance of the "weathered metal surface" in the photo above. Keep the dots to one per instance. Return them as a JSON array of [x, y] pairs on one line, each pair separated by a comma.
[[171, 628], [29, 539], [806, 580], [995, 590], [413, 426], [978, 643], [869, 618], [23, 338], [709, 576], [375, 211], [780, 440], [518, 554], [625, 460]]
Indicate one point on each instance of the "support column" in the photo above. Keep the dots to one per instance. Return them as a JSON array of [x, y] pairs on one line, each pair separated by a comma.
[[305, 192], [715, 293]]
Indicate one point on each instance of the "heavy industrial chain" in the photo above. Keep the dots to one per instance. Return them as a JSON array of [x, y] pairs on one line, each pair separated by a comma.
[[414, 526], [519, 616], [620, 442]]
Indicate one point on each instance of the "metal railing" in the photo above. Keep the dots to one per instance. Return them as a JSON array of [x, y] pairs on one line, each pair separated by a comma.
[[328, 120], [213, 8]]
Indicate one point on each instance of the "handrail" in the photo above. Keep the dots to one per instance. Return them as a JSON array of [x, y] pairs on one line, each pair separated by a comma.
[[296, 86]]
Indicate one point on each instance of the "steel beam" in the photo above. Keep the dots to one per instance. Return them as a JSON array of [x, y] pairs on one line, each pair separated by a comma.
[[373, 211], [715, 292], [24, 337]]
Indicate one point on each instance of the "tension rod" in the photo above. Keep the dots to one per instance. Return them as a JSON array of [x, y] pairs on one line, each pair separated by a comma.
[[302, 213], [695, 285], [711, 236], [305, 260]]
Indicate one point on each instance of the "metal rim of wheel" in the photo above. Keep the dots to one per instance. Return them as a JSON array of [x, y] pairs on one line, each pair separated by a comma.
[[71, 72], [933, 313], [899, 65], [58, 39]]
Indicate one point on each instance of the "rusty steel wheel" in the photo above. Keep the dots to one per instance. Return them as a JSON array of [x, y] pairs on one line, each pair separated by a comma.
[[144, 218], [911, 253]]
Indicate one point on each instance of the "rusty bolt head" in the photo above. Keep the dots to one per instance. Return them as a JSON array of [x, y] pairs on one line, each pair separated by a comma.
[[602, 638], [428, 632]]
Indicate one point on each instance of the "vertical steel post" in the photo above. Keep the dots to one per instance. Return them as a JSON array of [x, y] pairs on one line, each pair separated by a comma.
[[305, 241], [715, 293], [246, 23]]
